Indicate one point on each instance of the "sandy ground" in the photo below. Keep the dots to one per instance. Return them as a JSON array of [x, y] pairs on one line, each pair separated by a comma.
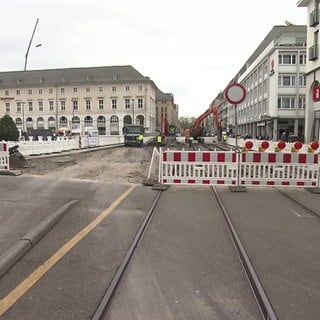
[[124, 164]]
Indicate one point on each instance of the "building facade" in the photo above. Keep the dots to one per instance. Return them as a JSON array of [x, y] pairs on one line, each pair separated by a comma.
[[78, 99], [165, 107], [312, 131], [274, 76]]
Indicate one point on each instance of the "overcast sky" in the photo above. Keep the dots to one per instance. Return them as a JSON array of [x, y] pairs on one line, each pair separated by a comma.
[[189, 48]]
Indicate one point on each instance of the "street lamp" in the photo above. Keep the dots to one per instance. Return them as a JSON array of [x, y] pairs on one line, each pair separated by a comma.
[[133, 111], [38, 45]]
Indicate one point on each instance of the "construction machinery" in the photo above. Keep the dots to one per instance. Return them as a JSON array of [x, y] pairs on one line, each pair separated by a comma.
[[197, 131]]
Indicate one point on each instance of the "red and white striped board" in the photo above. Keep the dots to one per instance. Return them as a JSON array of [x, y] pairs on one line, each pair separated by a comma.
[[4, 156], [279, 169], [246, 169], [199, 168]]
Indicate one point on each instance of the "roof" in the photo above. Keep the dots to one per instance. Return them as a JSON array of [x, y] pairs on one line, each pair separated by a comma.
[[71, 75], [274, 34], [161, 96]]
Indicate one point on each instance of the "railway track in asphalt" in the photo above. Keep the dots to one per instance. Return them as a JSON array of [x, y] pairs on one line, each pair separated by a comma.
[[107, 298], [298, 203], [260, 296]]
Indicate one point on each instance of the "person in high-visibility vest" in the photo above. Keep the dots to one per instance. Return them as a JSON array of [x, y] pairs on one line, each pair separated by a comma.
[[140, 139], [190, 141], [224, 137], [159, 140]]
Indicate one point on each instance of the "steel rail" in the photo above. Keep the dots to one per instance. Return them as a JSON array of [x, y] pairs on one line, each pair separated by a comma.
[[260, 295], [105, 302], [299, 204]]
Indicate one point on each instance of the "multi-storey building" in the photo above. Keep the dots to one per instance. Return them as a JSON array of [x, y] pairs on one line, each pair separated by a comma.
[[274, 76], [312, 130], [103, 98], [165, 106]]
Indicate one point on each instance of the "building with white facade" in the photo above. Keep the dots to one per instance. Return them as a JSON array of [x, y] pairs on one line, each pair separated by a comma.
[[274, 76], [312, 131], [78, 99]]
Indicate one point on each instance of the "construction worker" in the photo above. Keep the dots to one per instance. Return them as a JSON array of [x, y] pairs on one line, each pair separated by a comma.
[[190, 141], [159, 140], [140, 139], [224, 137]]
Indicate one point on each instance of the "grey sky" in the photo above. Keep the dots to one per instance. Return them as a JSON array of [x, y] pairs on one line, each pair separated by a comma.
[[189, 48]]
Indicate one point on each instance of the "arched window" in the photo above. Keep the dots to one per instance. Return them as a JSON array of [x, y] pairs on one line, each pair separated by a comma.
[[114, 125], [19, 122], [101, 121], [140, 120], [127, 120], [75, 119], [29, 122], [63, 122], [88, 121]]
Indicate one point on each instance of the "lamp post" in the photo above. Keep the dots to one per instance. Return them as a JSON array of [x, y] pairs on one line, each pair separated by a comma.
[[38, 45], [23, 118], [133, 111]]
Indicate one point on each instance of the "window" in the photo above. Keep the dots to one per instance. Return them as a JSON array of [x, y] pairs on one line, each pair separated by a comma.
[[88, 89], [51, 91], [302, 102], [302, 81], [287, 80], [75, 104], [127, 103], [40, 106], [88, 104], [51, 108], [286, 102], [40, 91], [30, 106], [114, 88], [74, 90], [114, 103], [88, 121], [63, 105], [127, 88], [29, 91], [100, 89], [6, 93], [302, 59], [62, 90], [18, 92], [19, 107], [101, 104], [139, 87], [140, 103], [7, 107], [287, 59]]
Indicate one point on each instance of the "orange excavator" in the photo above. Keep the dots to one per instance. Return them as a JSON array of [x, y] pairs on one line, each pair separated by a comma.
[[197, 130]]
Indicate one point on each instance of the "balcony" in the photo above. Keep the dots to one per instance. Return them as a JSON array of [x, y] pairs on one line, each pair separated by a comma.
[[314, 18], [313, 52]]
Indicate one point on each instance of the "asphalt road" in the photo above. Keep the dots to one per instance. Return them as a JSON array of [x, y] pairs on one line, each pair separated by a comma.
[[184, 268]]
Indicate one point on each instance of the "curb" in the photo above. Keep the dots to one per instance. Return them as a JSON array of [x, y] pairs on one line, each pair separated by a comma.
[[22, 246]]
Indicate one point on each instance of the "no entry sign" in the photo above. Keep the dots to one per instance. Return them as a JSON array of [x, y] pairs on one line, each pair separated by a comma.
[[235, 93]]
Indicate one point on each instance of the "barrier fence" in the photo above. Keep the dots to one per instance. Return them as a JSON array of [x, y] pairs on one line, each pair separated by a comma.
[[4, 156], [232, 168]]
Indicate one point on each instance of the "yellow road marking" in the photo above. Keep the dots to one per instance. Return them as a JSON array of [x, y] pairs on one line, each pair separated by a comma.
[[26, 284]]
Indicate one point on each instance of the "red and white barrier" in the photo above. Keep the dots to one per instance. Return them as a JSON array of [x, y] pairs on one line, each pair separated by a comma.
[[4, 156], [279, 169], [197, 167], [246, 169]]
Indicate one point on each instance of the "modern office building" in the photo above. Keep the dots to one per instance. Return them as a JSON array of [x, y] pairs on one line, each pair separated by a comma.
[[312, 131], [274, 76], [78, 99]]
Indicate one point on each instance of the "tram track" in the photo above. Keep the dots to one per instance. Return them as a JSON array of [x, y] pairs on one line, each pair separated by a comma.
[[102, 308], [298, 203], [260, 295]]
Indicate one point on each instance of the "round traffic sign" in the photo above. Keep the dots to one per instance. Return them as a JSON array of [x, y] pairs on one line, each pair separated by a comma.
[[235, 93]]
